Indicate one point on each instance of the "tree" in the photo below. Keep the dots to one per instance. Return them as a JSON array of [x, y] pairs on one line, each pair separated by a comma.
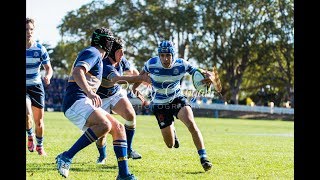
[[235, 37], [244, 39]]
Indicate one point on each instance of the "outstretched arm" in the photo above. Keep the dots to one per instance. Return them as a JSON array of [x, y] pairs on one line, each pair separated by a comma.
[[130, 79], [137, 84], [132, 71]]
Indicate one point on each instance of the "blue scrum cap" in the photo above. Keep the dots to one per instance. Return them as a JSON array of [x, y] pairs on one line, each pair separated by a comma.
[[166, 47]]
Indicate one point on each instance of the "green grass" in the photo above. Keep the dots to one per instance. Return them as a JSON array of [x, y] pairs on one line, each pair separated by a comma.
[[238, 149]]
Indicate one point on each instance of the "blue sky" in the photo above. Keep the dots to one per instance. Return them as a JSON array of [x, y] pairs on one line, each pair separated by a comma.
[[48, 14]]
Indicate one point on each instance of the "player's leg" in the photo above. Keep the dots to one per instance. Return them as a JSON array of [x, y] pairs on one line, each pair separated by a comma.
[[168, 135], [38, 116], [120, 148], [186, 116], [101, 144], [37, 105], [165, 121], [95, 124], [124, 108], [29, 123], [176, 139]]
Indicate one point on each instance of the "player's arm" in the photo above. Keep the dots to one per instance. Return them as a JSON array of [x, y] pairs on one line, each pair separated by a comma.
[[212, 77], [136, 85], [78, 74], [130, 79], [129, 75], [132, 71], [48, 73]]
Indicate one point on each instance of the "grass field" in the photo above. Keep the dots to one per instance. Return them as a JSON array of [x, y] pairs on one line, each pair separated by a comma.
[[238, 149]]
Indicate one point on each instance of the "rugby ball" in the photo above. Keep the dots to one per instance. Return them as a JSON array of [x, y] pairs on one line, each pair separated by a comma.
[[197, 77]]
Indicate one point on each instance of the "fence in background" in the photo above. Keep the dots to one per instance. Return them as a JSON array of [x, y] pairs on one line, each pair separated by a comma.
[[244, 108]]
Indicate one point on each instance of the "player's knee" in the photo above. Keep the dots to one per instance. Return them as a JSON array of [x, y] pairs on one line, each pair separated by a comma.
[[118, 131], [105, 126], [193, 128], [39, 124], [191, 125], [118, 127]]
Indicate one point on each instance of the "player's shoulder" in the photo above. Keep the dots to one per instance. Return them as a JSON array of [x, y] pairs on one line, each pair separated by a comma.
[[124, 60], [89, 49], [89, 52], [153, 60], [109, 67], [39, 45], [107, 70], [124, 63], [180, 60]]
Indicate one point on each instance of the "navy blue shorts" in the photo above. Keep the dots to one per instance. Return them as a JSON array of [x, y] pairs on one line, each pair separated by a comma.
[[36, 95], [164, 113]]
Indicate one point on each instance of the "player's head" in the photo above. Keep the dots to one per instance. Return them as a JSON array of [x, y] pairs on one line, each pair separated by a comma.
[[103, 38], [166, 47], [29, 28], [118, 44], [166, 53], [29, 20]]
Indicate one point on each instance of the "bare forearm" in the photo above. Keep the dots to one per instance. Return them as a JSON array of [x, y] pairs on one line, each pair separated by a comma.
[[127, 79], [49, 73], [132, 71], [79, 77]]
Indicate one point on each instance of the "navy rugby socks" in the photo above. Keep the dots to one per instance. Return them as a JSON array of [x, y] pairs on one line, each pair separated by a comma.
[[202, 153], [102, 151], [120, 149], [86, 139], [130, 133]]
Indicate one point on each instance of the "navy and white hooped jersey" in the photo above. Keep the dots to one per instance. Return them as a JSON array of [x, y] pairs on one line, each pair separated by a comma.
[[166, 81], [107, 87], [89, 58], [36, 56]]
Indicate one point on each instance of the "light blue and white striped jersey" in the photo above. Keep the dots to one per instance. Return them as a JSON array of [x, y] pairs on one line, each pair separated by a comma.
[[36, 56], [166, 81]]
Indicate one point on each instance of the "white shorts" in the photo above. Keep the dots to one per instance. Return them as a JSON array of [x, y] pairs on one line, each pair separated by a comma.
[[108, 103], [80, 111]]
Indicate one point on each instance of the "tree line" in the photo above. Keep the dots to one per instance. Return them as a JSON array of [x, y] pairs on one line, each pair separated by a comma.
[[250, 42]]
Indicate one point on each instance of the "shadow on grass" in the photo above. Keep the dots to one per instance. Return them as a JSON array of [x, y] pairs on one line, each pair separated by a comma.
[[198, 172], [171, 171], [79, 167]]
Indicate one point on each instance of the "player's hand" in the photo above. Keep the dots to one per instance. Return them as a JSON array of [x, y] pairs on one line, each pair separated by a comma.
[[145, 103], [96, 100], [46, 80], [216, 80], [209, 78], [145, 77], [139, 95]]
